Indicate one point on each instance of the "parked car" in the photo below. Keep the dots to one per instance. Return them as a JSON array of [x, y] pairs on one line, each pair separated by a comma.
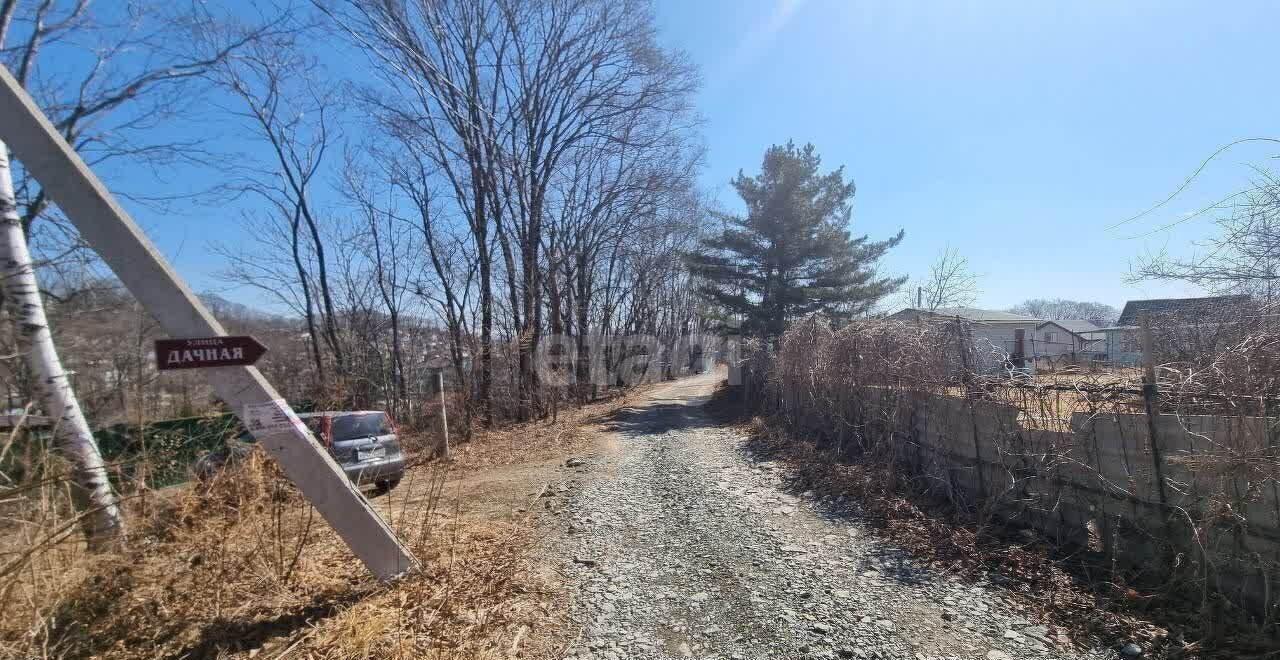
[[363, 442]]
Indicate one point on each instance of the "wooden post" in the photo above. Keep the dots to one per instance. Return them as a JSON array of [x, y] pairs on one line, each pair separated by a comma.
[[437, 382], [105, 226], [968, 376], [1149, 396]]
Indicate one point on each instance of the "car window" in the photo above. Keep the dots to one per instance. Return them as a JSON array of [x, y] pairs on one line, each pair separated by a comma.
[[350, 427]]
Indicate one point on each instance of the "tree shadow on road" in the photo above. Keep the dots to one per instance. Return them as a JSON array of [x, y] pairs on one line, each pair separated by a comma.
[[656, 418]]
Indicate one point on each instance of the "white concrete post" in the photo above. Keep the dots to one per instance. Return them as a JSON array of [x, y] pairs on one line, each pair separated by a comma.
[[437, 381], [122, 245]]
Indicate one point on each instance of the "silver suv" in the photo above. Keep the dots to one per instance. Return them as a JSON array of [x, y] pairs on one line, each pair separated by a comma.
[[364, 442]]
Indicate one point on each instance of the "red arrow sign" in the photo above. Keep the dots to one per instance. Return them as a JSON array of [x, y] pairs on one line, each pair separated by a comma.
[[200, 352]]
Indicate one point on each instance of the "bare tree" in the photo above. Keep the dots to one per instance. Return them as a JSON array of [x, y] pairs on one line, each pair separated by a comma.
[[100, 517], [103, 100], [1056, 309], [515, 113], [1242, 257], [578, 65], [282, 104], [443, 66], [391, 253], [453, 267], [108, 79], [951, 283]]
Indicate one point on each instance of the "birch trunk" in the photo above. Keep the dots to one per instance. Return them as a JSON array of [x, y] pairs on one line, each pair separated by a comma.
[[95, 500]]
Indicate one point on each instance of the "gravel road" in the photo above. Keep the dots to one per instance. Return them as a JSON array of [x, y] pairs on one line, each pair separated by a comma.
[[677, 544]]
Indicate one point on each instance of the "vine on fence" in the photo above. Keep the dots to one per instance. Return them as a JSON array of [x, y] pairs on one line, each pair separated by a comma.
[[1183, 499]]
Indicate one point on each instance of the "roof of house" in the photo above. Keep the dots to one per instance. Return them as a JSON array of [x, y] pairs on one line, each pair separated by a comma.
[[1182, 308], [971, 314], [1077, 325]]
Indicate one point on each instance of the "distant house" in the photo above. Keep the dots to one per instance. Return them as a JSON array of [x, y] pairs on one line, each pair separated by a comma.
[[1012, 334], [1124, 346], [1073, 338]]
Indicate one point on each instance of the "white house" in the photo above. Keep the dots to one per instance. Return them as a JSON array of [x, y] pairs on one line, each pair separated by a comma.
[[997, 334], [1067, 338]]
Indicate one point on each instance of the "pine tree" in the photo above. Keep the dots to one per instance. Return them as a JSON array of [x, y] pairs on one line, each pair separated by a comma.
[[792, 253]]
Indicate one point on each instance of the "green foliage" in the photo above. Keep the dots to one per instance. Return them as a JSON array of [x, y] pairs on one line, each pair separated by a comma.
[[791, 254], [161, 453], [165, 450]]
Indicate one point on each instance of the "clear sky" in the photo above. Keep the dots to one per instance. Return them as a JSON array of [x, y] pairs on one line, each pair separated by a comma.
[[1016, 132]]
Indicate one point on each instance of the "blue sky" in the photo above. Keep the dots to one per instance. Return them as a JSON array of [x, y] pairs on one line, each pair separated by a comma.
[[1015, 132]]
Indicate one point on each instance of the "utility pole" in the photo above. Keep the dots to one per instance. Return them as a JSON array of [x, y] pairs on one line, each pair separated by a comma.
[[105, 226]]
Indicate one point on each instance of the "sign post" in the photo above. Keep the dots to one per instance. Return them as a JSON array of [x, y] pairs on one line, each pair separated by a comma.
[[105, 226]]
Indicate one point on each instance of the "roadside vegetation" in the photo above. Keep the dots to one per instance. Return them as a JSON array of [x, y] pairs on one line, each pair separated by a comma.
[[504, 195], [1020, 482], [243, 567]]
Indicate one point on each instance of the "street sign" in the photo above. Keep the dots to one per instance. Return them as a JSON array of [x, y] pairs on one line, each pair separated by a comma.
[[201, 352]]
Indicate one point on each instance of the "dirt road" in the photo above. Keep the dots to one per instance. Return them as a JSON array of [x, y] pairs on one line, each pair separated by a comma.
[[677, 544]]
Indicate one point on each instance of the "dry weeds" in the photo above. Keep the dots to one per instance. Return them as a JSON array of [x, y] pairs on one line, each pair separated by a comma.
[[1062, 590], [857, 395], [243, 567], [541, 440]]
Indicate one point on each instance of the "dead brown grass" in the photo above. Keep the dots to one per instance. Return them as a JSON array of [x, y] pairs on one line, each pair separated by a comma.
[[543, 439], [245, 568]]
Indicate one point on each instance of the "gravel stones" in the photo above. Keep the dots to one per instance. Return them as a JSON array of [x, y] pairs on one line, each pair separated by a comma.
[[685, 547]]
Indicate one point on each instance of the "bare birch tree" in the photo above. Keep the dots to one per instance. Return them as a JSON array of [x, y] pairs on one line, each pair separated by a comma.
[[106, 100], [100, 511]]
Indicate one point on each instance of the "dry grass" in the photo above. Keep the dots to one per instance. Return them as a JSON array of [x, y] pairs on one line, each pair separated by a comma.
[[247, 569], [541, 440], [869, 392]]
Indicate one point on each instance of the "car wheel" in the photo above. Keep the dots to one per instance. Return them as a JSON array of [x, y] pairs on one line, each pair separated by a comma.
[[386, 486]]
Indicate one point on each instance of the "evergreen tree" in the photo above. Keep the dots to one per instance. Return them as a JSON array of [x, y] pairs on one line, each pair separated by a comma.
[[792, 253]]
